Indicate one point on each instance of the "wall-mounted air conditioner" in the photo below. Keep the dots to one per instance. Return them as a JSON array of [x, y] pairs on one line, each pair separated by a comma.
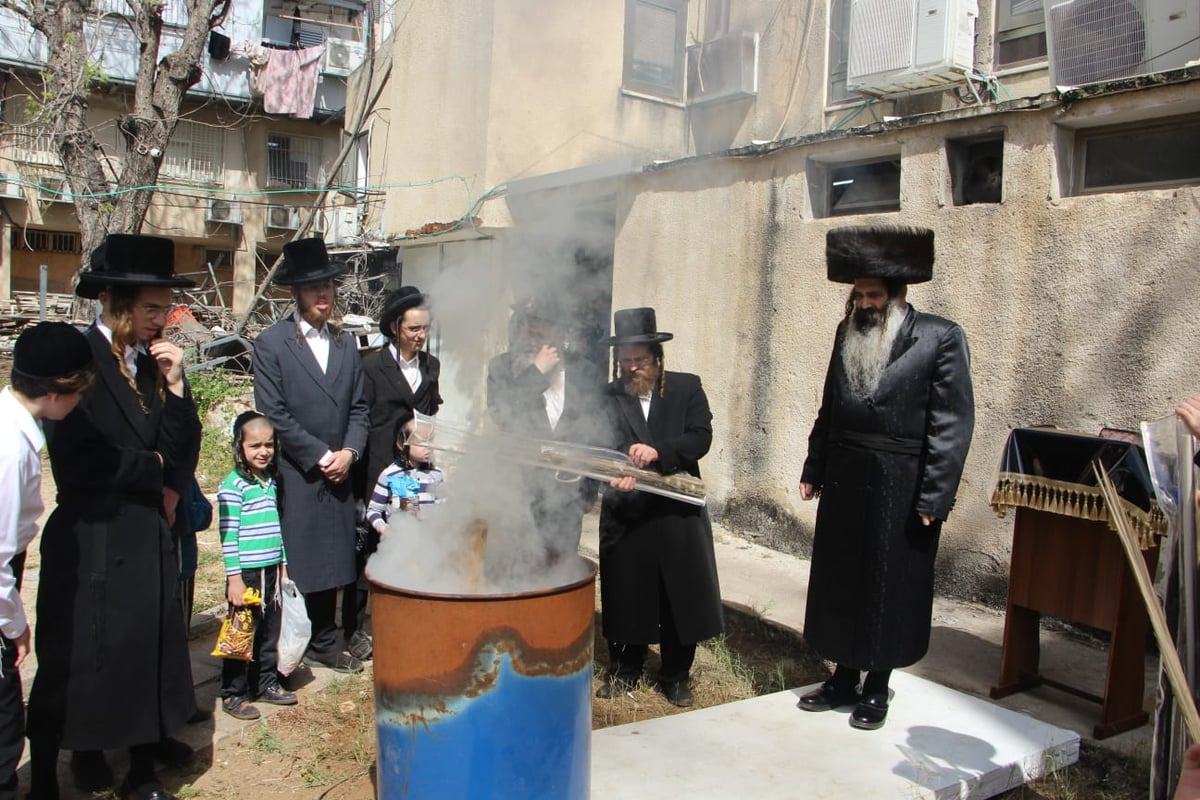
[[10, 186], [318, 223], [224, 211], [343, 225], [724, 68], [342, 56], [284, 218], [54, 189], [1102, 40], [907, 46]]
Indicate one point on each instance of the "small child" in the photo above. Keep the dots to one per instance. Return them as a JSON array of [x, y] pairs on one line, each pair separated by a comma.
[[404, 483], [52, 366], [252, 545]]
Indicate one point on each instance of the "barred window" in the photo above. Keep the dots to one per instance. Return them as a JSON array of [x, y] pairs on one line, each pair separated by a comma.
[[31, 141], [293, 162], [32, 240], [655, 33], [196, 153]]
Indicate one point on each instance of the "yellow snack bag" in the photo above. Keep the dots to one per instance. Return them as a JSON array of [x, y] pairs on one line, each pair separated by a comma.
[[236, 639]]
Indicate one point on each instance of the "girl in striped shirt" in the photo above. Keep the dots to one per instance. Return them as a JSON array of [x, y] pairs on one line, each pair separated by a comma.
[[252, 545]]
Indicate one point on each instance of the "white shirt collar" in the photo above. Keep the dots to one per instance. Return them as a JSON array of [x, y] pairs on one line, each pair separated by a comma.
[[131, 353], [307, 330], [13, 409], [411, 363]]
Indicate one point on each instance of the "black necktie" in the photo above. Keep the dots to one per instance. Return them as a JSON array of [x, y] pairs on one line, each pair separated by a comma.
[[147, 371]]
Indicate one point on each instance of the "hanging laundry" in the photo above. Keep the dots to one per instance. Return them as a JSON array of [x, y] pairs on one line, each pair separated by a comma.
[[289, 81]]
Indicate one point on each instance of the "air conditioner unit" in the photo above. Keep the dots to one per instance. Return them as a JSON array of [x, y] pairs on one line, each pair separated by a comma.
[[54, 189], [318, 222], [1103, 40], [343, 225], [224, 211], [10, 186], [909, 46], [284, 218], [342, 56], [725, 68]]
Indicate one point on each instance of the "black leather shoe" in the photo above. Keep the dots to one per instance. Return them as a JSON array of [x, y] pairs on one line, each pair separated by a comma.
[[360, 646], [614, 687], [827, 697], [342, 662], [151, 790], [276, 696], [90, 772], [172, 752], [677, 694], [870, 713]]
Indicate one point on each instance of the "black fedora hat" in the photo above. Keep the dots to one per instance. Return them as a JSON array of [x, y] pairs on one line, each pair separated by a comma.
[[306, 261], [50, 350], [636, 326], [894, 252], [396, 304], [130, 259]]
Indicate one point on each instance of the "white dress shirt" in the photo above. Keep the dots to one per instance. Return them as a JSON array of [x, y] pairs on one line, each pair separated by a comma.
[[131, 353], [555, 395], [21, 441], [317, 340], [411, 370], [645, 401]]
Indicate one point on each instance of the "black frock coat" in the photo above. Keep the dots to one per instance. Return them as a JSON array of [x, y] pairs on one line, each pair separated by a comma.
[[113, 667], [644, 537], [313, 412], [870, 591], [388, 396]]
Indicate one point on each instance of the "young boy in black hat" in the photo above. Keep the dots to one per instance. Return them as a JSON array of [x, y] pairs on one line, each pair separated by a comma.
[[52, 366], [113, 665]]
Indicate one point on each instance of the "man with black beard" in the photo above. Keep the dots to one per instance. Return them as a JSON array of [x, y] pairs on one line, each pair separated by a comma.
[[658, 571], [886, 454]]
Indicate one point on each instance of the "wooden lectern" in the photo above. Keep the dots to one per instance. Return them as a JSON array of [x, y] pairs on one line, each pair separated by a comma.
[[1067, 562]]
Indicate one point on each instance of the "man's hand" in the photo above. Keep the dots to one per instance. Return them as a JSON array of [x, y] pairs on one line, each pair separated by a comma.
[[1189, 412], [546, 358], [623, 484], [170, 504], [235, 587], [170, 363], [1189, 779], [926, 519], [22, 645], [337, 467], [642, 455], [807, 491]]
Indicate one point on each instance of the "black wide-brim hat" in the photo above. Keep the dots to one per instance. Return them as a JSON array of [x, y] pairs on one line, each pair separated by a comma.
[[897, 252], [129, 259], [306, 261], [50, 350], [636, 326], [396, 304]]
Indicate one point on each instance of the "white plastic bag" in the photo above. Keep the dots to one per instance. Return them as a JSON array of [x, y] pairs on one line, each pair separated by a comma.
[[294, 629]]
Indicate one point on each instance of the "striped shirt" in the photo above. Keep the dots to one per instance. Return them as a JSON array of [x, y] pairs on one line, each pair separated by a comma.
[[250, 533], [391, 480]]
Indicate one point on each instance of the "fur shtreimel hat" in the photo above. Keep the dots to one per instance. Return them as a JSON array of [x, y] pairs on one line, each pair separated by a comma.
[[306, 261], [395, 305], [50, 350], [636, 326], [897, 252], [128, 259]]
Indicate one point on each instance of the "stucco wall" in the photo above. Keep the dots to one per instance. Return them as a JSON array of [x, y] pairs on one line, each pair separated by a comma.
[[1078, 310]]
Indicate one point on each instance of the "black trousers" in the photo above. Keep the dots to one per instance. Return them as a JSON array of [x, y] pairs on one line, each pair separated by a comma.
[[12, 705], [626, 660], [354, 599], [252, 678], [322, 614]]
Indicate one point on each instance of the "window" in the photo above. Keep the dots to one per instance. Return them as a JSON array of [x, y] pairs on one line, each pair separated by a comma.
[[1020, 32], [31, 141], [839, 52], [293, 162], [1138, 156], [859, 187], [654, 46], [353, 174], [976, 170], [195, 153], [34, 240]]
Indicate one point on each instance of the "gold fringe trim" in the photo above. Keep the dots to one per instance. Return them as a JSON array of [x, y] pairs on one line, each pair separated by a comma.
[[1072, 500]]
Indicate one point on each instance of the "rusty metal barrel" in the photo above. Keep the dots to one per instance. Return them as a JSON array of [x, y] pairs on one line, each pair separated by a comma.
[[484, 696]]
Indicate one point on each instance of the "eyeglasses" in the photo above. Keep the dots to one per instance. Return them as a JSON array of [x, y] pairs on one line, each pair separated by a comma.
[[640, 361], [154, 311]]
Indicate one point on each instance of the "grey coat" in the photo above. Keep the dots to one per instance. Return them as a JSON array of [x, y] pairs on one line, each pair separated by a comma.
[[313, 412], [879, 463]]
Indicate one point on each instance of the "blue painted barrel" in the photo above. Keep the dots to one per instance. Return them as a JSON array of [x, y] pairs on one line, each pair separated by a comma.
[[484, 696]]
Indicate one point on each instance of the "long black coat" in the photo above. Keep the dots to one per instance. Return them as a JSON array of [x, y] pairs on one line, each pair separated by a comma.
[[113, 667], [313, 412], [388, 395], [645, 536], [870, 591]]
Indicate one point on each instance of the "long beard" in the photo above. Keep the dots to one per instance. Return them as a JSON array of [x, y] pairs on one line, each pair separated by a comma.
[[867, 346], [642, 382]]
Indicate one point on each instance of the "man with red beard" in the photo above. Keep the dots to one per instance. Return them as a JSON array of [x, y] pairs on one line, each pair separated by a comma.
[[886, 454], [308, 381], [657, 567]]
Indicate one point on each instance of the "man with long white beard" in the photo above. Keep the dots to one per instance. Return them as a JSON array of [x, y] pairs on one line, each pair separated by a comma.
[[886, 454]]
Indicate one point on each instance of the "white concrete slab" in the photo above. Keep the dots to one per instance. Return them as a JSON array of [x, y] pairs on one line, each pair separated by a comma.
[[937, 743]]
